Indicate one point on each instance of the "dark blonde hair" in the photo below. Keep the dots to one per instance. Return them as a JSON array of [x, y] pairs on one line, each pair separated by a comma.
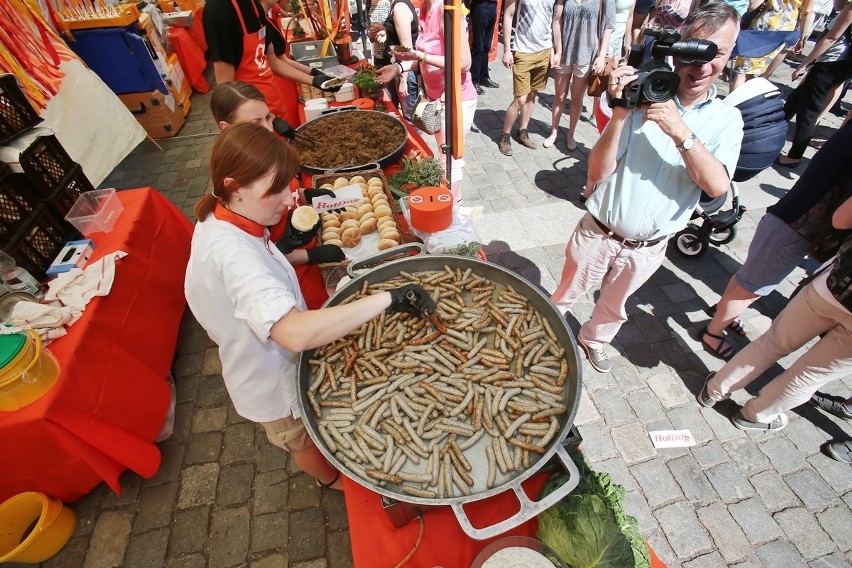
[[227, 98], [245, 153]]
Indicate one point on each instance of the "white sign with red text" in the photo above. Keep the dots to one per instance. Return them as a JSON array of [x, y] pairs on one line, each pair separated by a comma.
[[672, 438], [347, 196]]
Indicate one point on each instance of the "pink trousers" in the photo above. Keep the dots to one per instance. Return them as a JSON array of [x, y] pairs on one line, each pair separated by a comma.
[[806, 316], [592, 257]]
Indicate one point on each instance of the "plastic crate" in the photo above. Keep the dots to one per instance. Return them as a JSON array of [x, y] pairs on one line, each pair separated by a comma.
[[55, 177], [38, 242], [16, 113], [15, 206]]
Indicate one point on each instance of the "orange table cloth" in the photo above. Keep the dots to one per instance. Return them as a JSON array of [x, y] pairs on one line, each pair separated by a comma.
[[376, 542], [111, 398]]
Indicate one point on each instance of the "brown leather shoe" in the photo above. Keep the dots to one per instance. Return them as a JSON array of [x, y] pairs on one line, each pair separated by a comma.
[[505, 145]]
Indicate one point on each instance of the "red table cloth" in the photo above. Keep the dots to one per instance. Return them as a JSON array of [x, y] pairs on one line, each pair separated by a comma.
[[109, 403], [376, 542]]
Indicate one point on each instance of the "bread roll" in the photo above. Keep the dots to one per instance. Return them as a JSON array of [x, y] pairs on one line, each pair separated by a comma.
[[328, 216], [333, 224], [351, 237], [379, 199], [304, 218], [337, 242], [357, 179], [389, 234], [346, 215], [340, 182], [348, 224], [364, 209], [385, 221], [375, 181], [385, 244], [327, 186], [382, 211], [374, 191], [369, 215], [330, 234], [368, 226]]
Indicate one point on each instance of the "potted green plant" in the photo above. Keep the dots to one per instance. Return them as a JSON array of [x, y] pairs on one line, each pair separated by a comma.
[[416, 172], [365, 79]]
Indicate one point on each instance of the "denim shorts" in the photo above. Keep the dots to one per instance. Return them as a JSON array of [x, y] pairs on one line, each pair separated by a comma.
[[775, 251]]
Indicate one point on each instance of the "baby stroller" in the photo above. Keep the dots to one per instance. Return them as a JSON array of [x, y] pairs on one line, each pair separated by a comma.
[[764, 133]]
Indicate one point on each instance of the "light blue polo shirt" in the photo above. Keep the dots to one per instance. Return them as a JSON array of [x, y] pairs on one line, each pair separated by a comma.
[[650, 194]]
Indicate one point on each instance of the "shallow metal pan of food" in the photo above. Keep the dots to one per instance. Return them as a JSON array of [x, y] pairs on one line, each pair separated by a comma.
[[332, 128], [511, 480]]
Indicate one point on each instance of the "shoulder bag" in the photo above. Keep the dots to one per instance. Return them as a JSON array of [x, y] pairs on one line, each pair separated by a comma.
[[597, 82], [427, 115]]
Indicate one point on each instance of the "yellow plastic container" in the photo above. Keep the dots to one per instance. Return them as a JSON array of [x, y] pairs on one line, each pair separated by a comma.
[[33, 527], [30, 371]]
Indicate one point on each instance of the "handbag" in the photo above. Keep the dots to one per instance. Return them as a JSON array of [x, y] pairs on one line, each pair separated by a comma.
[[597, 82], [750, 16], [427, 115]]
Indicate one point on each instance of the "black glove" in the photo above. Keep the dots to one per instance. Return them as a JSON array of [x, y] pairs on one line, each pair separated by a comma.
[[412, 299], [294, 238], [320, 79], [315, 71], [325, 253], [283, 128], [312, 192]]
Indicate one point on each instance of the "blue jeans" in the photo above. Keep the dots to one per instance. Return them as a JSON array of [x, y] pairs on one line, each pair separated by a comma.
[[483, 17]]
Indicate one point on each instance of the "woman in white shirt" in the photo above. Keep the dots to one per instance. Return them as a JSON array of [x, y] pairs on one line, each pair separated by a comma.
[[244, 292]]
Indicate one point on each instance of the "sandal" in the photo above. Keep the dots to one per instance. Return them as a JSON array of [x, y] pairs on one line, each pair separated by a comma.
[[736, 326], [330, 483], [723, 352]]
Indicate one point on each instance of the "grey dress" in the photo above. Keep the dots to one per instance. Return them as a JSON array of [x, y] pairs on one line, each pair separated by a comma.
[[580, 34]]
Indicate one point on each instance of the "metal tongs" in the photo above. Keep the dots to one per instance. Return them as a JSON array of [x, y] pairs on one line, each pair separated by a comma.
[[428, 313]]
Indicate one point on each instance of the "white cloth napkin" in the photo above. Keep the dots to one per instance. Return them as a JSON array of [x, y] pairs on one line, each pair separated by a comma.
[[77, 286], [65, 300]]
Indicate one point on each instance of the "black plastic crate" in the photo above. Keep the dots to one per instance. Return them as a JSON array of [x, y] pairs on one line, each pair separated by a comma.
[[16, 113], [17, 205], [55, 177], [37, 243]]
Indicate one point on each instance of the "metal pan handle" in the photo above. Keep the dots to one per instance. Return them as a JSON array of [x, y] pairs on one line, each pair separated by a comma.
[[529, 508], [376, 259]]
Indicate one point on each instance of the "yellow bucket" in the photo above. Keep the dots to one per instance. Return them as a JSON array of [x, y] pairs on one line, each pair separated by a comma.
[[28, 373], [33, 527]]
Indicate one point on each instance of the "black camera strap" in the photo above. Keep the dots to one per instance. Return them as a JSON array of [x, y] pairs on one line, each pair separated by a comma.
[[617, 102]]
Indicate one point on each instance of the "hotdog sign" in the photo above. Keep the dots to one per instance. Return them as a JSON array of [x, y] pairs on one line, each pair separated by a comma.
[[347, 196]]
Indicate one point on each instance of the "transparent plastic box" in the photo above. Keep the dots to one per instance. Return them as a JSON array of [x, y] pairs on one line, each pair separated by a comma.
[[95, 211]]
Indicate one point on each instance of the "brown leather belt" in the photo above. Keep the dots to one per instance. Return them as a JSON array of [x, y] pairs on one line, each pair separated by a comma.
[[629, 243]]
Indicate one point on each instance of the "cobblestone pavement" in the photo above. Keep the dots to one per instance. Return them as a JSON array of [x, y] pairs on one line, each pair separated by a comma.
[[225, 497]]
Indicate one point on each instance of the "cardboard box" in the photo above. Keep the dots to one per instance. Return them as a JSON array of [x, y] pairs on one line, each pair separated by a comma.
[[75, 254], [159, 114]]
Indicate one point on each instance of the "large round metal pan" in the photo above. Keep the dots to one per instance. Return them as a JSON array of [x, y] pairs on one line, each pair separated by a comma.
[[512, 479], [341, 138]]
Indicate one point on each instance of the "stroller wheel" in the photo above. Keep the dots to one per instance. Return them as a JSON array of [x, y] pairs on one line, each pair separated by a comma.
[[691, 243], [723, 237]]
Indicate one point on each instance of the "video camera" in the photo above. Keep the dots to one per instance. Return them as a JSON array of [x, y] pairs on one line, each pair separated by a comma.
[[656, 82]]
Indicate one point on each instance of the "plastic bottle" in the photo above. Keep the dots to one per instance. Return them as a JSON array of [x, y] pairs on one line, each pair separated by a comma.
[[18, 279]]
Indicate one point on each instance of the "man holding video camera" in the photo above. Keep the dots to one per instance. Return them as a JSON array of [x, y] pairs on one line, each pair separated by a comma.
[[668, 140]]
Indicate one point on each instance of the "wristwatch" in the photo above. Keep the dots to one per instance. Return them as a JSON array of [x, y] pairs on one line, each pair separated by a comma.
[[688, 143]]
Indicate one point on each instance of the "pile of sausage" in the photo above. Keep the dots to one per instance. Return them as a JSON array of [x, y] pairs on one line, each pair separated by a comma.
[[442, 413]]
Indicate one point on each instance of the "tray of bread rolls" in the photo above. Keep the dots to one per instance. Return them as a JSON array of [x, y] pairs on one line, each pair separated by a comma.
[[363, 229]]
